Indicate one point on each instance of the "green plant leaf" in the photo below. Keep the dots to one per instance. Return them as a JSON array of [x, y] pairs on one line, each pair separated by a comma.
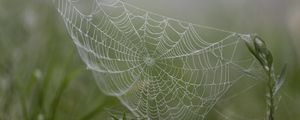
[[269, 58], [114, 117], [281, 79], [124, 116], [249, 44]]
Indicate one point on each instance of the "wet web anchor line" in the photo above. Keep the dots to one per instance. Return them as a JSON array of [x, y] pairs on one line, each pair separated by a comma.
[[159, 67]]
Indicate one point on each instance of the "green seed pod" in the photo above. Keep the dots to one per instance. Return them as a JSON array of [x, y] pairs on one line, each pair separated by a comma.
[[263, 54], [269, 58], [260, 46]]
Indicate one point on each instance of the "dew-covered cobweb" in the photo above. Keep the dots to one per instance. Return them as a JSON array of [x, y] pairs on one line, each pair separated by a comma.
[[159, 67]]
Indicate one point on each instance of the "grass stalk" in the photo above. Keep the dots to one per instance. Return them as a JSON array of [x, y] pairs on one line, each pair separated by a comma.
[[260, 51], [91, 114]]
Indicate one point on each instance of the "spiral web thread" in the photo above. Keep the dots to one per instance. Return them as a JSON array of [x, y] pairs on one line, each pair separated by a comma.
[[159, 67]]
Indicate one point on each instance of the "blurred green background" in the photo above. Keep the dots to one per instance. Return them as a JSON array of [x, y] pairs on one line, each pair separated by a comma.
[[43, 77]]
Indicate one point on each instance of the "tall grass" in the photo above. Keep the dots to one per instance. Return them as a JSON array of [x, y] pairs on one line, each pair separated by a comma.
[[41, 76], [259, 49]]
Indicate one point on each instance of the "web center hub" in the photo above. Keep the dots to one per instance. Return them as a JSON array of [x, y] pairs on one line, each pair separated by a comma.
[[149, 61]]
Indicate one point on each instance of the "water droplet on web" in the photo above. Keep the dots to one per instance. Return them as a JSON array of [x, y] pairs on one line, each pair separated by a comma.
[[135, 77], [88, 68], [89, 17], [234, 34]]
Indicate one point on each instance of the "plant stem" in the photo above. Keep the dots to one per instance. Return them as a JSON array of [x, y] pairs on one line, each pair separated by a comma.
[[270, 98], [271, 94]]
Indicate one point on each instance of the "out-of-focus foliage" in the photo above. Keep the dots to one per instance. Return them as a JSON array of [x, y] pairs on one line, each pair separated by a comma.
[[42, 77]]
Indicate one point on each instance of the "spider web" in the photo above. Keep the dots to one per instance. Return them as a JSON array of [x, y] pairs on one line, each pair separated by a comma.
[[159, 67]]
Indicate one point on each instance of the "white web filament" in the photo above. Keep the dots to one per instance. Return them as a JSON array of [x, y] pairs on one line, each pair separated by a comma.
[[159, 67]]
